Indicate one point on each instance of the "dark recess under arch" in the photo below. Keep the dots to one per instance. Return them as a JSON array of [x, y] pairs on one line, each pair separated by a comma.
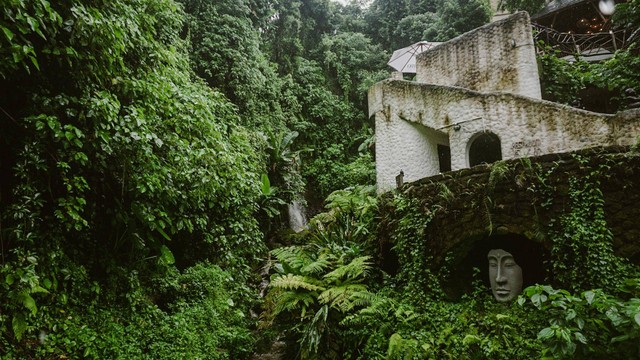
[[485, 149], [529, 254]]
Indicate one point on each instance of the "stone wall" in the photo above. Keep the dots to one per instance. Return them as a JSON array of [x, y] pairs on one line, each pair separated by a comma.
[[496, 57], [470, 204], [453, 116]]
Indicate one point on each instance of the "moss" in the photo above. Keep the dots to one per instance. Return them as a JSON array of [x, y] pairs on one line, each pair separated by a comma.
[[522, 195]]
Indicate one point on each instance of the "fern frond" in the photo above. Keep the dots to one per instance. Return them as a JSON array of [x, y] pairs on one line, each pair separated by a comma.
[[295, 282], [294, 257], [355, 199], [380, 307], [345, 297], [350, 271], [339, 294], [287, 301], [401, 348], [317, 266], [363, 298]]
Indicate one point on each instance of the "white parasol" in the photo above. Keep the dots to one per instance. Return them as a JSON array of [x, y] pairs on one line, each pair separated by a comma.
[[404, 60]]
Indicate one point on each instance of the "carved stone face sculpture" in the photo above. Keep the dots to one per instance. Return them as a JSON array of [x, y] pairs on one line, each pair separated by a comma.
[[505, 275]]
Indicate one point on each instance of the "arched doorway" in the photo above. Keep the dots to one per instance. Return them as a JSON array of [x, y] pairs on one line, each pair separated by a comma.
[[484, 149]]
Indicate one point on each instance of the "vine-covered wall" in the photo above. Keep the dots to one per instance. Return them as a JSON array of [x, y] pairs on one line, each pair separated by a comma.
[[574, 208]]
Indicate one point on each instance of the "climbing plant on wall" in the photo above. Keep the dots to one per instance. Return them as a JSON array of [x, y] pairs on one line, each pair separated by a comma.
[[582, 250], [412, 316]]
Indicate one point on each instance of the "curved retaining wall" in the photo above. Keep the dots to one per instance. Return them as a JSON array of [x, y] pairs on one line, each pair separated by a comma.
[[521, 197]]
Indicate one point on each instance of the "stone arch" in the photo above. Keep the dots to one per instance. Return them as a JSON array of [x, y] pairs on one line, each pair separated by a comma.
[[484, 148], [472, 210]]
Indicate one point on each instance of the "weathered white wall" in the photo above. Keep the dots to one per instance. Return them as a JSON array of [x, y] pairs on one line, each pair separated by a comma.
[[483, 81], [408, 147], [525, 126], [499, 56]]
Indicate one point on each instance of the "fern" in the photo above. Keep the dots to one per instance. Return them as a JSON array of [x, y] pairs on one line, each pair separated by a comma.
[[363, 298], [444, 192], [351, 271], [345, 297], [359, 199], [292, 301], [322, 282], [317, 266], [499, 171], [295, 282], [379, 307], [401, 348], [302, 260], [294, 257]]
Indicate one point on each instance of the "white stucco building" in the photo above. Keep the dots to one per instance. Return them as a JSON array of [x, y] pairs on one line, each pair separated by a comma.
[[477, 99]]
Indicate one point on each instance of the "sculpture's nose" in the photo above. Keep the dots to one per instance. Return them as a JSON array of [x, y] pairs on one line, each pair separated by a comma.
[[500, 278]]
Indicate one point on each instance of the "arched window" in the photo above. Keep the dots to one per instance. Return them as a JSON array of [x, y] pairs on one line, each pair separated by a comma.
[[484, 149]]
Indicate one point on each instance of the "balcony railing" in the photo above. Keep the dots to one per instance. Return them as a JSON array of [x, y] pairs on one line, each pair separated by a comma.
[[582, 45]]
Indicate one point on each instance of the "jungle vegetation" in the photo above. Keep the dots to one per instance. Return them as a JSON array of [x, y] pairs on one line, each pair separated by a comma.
[[149, 149]]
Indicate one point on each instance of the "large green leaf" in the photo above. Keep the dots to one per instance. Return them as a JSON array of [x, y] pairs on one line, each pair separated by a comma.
[[166, 256], [19, 325], [266, 185]]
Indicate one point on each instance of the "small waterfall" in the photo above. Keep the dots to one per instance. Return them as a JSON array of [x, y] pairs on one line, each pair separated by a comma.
[[297, 217]]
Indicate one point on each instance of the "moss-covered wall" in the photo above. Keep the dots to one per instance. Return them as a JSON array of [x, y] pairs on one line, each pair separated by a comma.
[[525, 126], [518, 196], [496, 57], [485, 80]]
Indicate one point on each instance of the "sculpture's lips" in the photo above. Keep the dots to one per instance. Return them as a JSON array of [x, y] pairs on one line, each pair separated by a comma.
[[503, 292]]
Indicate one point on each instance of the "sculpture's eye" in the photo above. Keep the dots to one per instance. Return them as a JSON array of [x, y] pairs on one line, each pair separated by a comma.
[[493, 264], [509, 264]]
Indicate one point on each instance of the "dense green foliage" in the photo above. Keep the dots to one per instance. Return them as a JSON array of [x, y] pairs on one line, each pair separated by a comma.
[[570, 82], [396, 24], [530, 6], [149, 150], [412, 314], [197, 317], [114, 157], [225, 49], [590, 324], [315, 284], [583, 244], [627, 15], [123, 170]]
